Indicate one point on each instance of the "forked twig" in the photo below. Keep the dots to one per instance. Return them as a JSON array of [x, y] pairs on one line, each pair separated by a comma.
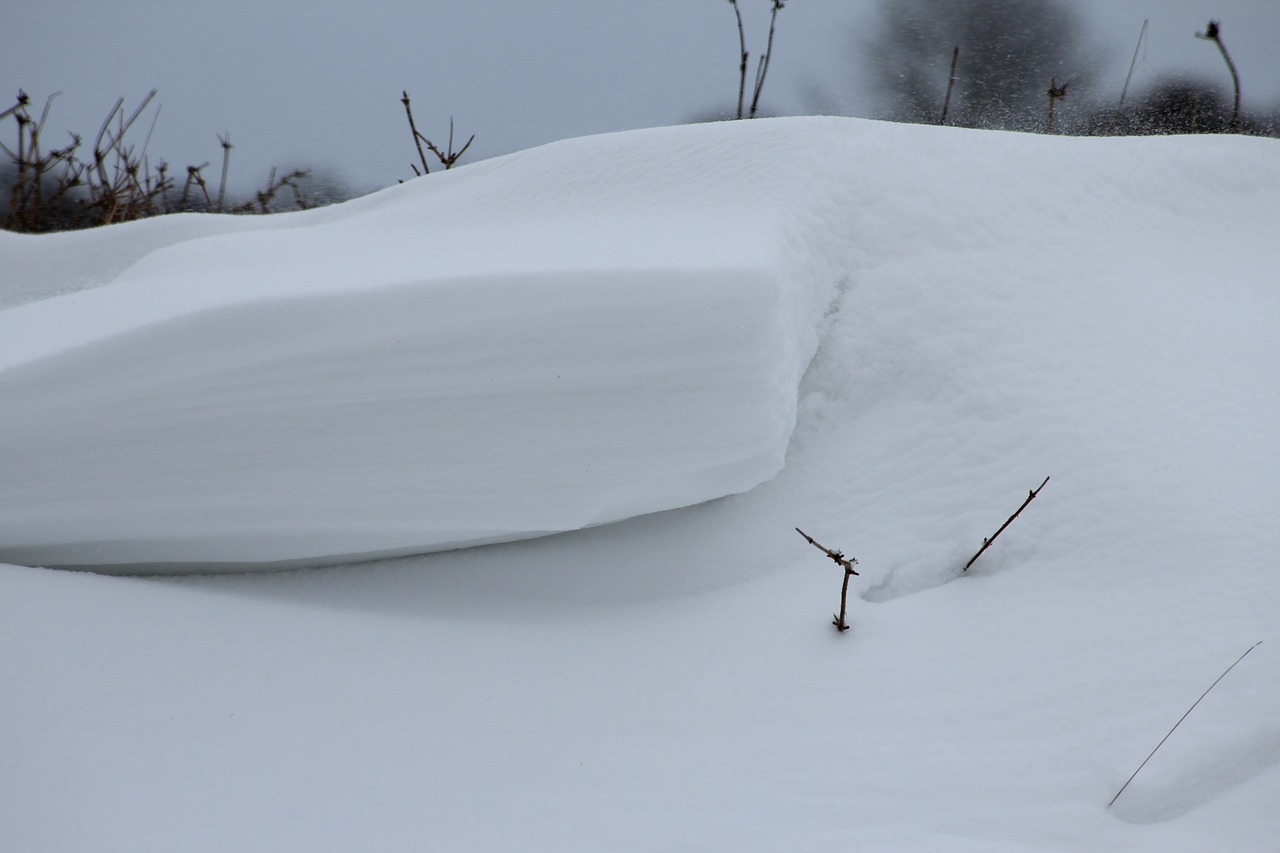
[[987, 542], [413, 129], [1180, 719], [447, 158], [846, 563], [762, 64]]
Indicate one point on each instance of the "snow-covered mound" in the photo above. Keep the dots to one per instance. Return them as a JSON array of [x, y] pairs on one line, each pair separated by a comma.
[[984, 310], [553, 340]]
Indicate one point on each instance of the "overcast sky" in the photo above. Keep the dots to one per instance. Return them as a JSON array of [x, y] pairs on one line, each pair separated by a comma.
[[317, 83]]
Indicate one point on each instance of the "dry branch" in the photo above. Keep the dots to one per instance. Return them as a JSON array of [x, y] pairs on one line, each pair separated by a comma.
[[447, 157], [987, 542], [846, 563], [763, 67], [742, 47], [413, 129], [225, 142], [1056, 93], [762, 64]]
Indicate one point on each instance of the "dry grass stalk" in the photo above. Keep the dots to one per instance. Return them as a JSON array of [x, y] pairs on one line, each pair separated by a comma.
[[1213, 33], [951, 84], [1142, 33], [56, 190], [1180, 719]]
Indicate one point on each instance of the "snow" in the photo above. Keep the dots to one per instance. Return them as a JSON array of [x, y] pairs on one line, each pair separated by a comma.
[[467, 364], [926, 321]]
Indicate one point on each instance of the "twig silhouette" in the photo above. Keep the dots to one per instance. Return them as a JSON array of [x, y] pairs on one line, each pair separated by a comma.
[[951, 83], [447, 158], [1056, 93], [1180, 719], [846, 563], [763, 67], [762, 64], [1213, 33], [987, 542], [1141, 35]]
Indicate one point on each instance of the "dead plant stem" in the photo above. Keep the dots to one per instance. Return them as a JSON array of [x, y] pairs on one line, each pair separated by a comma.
[[1180, 719], [846, 563], [986, 543]]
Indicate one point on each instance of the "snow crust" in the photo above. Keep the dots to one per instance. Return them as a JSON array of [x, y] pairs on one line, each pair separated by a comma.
[[982, 310]]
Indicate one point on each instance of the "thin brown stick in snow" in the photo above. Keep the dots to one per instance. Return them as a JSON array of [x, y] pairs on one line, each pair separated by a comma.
[[987, 542]]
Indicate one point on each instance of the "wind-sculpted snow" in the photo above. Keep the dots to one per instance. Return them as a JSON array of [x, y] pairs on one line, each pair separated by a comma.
[[610, 325], [557, 339]]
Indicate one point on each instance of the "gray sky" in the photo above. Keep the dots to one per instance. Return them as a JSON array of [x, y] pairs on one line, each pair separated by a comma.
[[317, 83]]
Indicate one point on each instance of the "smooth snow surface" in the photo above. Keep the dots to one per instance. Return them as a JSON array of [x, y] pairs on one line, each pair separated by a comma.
[[928, 320], [557, 339]]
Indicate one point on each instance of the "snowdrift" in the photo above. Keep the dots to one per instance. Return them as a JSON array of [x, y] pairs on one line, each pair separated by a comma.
[[549, 341], [938, 319]]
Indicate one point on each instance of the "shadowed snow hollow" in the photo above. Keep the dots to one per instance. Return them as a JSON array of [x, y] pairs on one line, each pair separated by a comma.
[[523, 346]]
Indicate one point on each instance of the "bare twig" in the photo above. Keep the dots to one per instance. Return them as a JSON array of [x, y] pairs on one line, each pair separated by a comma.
[[99, 154], [987, 542], [1055, 93], [225, 142], [29, 207], [763, 68], [1132, 63], [762, 64], [951, 82], [195, 177], [846, 563], [22, 99], [263, 197], [413, 128], [447, 158], [742, 67], [1180, 719], [1213, 33]]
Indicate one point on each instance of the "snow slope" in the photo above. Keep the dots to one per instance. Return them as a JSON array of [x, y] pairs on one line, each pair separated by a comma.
[[984, 309]]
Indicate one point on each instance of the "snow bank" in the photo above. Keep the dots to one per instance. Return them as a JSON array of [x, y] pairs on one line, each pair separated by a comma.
[[556, 339], [1006, 307]]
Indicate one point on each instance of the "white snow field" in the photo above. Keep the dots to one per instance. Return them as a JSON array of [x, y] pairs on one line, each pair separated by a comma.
[[883, 334]]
